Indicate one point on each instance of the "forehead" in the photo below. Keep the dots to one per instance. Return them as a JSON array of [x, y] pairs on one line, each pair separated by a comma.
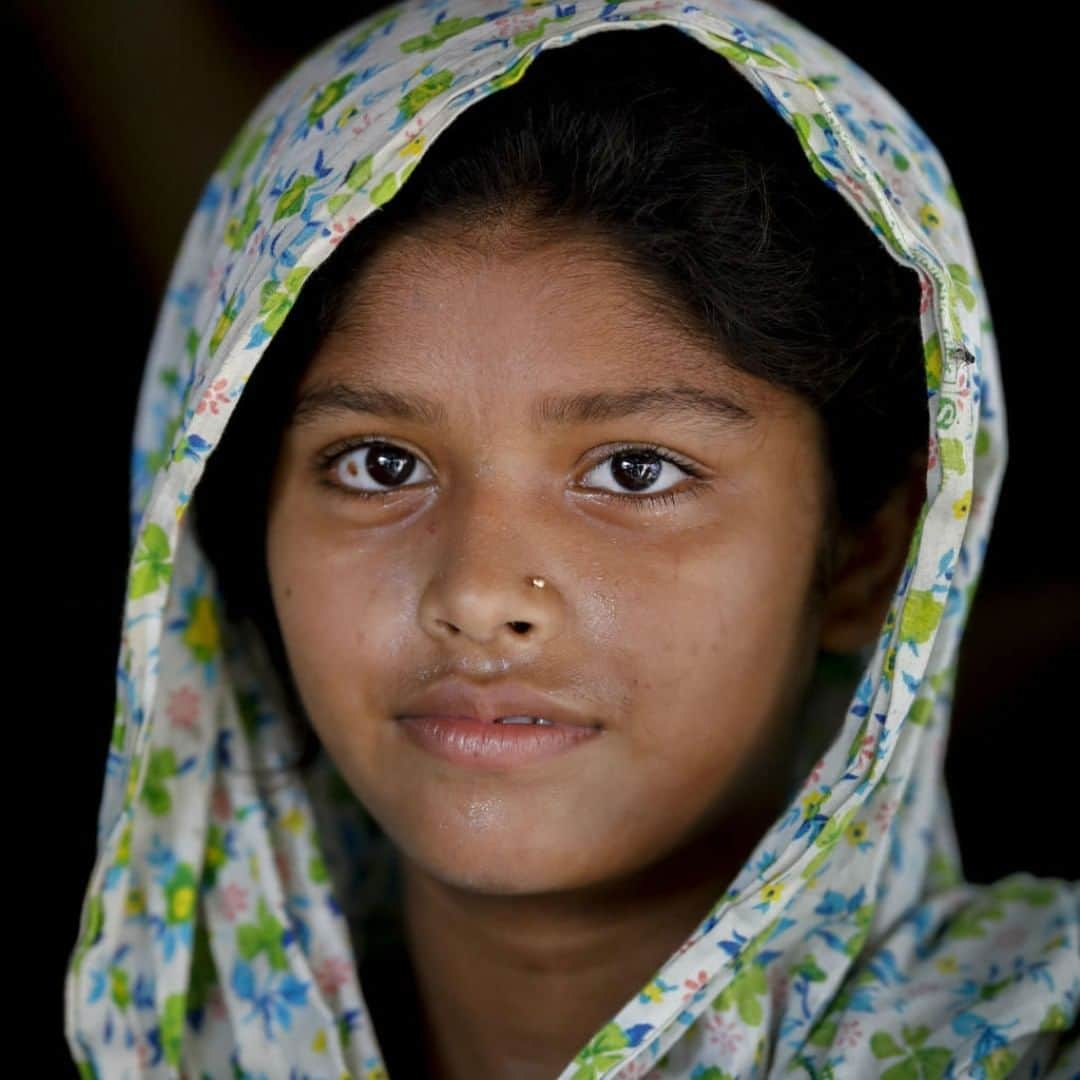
[[547, 312]]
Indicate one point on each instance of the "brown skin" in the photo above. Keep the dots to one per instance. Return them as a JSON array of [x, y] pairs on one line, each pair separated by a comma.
[[689, 630]]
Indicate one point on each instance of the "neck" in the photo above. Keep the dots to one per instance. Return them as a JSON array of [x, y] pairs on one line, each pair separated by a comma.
[[514, 986]]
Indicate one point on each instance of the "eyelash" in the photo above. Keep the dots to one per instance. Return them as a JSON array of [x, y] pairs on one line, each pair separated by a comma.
[[329, 458]]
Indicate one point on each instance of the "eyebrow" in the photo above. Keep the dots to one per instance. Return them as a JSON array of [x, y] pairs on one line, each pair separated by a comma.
[[661, 402]]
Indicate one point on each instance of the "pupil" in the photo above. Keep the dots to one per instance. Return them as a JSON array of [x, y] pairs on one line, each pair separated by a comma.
[[642, 470], [388, 462]]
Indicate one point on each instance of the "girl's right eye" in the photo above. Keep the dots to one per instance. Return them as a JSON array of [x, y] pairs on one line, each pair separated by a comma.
[[369, 460]]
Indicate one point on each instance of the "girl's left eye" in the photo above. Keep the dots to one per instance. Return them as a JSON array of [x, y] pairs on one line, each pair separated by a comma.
[[636, 465]]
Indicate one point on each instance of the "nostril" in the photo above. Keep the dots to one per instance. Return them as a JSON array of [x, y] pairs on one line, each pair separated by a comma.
[[519, 627]]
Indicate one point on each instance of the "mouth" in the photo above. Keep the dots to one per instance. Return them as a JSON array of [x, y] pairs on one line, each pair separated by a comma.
[[505, 705], [498, 743]]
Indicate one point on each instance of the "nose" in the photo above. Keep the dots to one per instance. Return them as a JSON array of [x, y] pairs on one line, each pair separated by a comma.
[[484, 591]]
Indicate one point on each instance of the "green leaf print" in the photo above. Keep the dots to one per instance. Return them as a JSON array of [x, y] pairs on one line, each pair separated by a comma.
[[826, 841], [601, 1053], [225, 320], [921, 615], [152, 566], [1054, 1020], [512, 74], [998, 1064], [292, 198], [368, 27], [119, 990], [961, 282], [277, 297], [155, 793], [952, 455], [921, 711], [239, 229], [412, 102], [968, 922], [741, 54], [1028, 892], [932, 356], [919, 1063], [884, 1045], [801, 124], [265, 935], [358, 175], [903, 1070], [172, 1028], [328, 97], [384, 190], [448, 28]]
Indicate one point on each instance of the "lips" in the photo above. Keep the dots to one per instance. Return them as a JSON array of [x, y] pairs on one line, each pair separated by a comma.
[[455, 698]]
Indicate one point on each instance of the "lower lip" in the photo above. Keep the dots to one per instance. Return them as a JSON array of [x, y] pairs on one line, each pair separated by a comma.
[[487, 745]]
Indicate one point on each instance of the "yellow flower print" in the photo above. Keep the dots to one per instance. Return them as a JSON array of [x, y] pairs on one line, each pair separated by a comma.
[[771, 892], [318, 1044], [928, 216], [183, 900], [293, 820], [135, 903], [811, 803], [946, 965], [962, 506], [202, 635], [856, 832]]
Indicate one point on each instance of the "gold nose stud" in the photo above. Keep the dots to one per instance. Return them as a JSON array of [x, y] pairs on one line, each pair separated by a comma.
[[539, 582]]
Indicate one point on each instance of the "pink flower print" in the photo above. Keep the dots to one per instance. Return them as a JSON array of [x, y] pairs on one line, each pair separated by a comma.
[[213, 397], [884, 814], [849, 1033], [723, 1032], [332, 974], [340, 230], [695, 984], [234, 900], [866, 751], [816, 774], [183, 708]]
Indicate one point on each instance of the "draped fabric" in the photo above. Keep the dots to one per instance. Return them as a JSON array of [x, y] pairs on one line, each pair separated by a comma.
[[226, 913]]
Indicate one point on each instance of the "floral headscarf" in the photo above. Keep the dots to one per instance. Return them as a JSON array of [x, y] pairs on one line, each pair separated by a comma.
[[214, 941]]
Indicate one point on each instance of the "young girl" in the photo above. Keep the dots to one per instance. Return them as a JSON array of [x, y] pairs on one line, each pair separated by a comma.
[[562, 474]]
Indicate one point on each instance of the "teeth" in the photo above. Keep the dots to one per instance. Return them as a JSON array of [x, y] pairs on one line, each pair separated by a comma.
[[522, 720]]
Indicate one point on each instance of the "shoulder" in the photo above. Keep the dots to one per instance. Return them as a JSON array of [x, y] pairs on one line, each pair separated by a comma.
[[977, 981]]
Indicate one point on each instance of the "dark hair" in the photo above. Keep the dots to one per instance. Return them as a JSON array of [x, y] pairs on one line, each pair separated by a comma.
[[659, 148]]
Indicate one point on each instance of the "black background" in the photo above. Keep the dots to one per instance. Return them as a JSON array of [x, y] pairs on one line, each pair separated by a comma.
[[120, 110]]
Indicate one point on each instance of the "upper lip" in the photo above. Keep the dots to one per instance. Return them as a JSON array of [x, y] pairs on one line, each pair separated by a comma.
[[454, 698]]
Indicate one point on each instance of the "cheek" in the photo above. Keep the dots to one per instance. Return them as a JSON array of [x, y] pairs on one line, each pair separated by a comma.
[[715, 660], [343, 614]]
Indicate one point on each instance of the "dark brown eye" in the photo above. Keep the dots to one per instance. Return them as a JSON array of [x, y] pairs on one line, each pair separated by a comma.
[[381, 463], [637, 469]]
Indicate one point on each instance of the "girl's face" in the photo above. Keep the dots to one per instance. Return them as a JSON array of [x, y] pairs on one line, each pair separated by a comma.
[[683, 624]]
